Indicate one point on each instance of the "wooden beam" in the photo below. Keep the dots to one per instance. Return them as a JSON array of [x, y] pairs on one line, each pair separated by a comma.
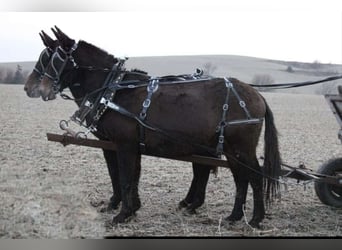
[[68, 140]]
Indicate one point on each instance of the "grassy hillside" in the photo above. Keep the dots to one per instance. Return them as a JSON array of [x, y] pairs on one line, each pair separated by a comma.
[[241, 67]]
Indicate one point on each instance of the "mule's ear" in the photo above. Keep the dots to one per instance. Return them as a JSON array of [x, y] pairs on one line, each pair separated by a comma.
[[47, 40], [55, 33], [64, 40], [43, 39], [60, 31]]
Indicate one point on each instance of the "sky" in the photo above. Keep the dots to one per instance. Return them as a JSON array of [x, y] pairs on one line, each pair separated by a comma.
[[292, 30]]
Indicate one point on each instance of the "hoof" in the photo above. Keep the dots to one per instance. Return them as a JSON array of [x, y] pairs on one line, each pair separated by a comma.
[[122, 218], [233, 218], [110, 207], [183, 204], [191, 211], [254, 224]]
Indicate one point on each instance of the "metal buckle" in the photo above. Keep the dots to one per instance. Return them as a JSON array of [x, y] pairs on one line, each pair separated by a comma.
[[228, 83], [109, 104], [242, 104], [142, 115], [88, 104], [153, 86], [146, 103]]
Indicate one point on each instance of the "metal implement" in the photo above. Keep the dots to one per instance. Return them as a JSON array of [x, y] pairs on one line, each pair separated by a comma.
[[64, 125]]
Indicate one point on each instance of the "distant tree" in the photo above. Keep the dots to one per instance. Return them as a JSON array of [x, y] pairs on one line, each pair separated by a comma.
[[209, 68], [9, 76], [18, 77], [316, 64], [289, 69], [2, 74], [262, 79]]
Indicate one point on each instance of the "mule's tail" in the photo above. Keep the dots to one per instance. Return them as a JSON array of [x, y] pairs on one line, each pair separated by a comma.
[[272, 161]]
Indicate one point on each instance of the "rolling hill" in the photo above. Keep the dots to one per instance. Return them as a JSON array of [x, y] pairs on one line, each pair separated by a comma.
[[241, 67]]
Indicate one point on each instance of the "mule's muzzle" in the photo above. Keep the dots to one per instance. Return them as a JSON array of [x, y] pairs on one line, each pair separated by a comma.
[[32, 93]]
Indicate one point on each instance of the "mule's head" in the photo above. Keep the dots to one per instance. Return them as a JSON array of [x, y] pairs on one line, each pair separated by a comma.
[[61, 63], [33, 81], [68, 60]]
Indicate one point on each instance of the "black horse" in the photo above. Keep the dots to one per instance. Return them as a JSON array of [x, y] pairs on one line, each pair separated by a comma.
[[196, 195], [188, 118]]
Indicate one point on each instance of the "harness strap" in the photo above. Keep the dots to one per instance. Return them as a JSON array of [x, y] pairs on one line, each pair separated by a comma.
[[90, 105], [125, 112], [151, 88], [224, 123]]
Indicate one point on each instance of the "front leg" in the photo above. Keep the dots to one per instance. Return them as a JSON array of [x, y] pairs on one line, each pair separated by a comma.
[[196, 195], [112, 165], [129, 174]]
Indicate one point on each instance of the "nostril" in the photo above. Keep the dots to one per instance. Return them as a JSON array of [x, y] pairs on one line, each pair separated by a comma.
[[25, 88]]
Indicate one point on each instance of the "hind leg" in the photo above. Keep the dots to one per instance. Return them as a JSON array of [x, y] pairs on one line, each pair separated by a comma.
[[241, 183], [248, 171], [196, 195], [256, 181]]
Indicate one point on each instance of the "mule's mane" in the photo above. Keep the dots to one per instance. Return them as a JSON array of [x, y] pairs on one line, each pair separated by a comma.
[[139, 71], [98, 56]]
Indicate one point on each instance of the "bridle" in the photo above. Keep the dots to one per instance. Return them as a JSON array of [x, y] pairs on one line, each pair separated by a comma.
[[60, 58], [56, 73]]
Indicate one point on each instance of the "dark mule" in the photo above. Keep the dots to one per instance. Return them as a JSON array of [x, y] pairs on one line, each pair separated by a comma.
[[33, 81], [182, 113], [196, 195], [32, 90]]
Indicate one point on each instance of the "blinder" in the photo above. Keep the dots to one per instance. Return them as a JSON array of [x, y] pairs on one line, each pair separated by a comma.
[[43, 61], [60, 58]]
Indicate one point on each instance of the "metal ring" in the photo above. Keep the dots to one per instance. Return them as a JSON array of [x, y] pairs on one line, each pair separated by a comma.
[[63, 124]]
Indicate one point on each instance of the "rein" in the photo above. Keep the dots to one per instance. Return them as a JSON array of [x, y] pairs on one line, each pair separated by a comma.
[[297, 84]]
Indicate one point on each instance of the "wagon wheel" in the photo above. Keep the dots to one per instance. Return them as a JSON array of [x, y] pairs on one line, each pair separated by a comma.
[[330, 194]]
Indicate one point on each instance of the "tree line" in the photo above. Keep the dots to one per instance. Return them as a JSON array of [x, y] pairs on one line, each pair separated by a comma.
[[8, 75]]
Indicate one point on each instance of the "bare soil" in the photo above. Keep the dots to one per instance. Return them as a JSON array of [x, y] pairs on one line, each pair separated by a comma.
[[51, 191]]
